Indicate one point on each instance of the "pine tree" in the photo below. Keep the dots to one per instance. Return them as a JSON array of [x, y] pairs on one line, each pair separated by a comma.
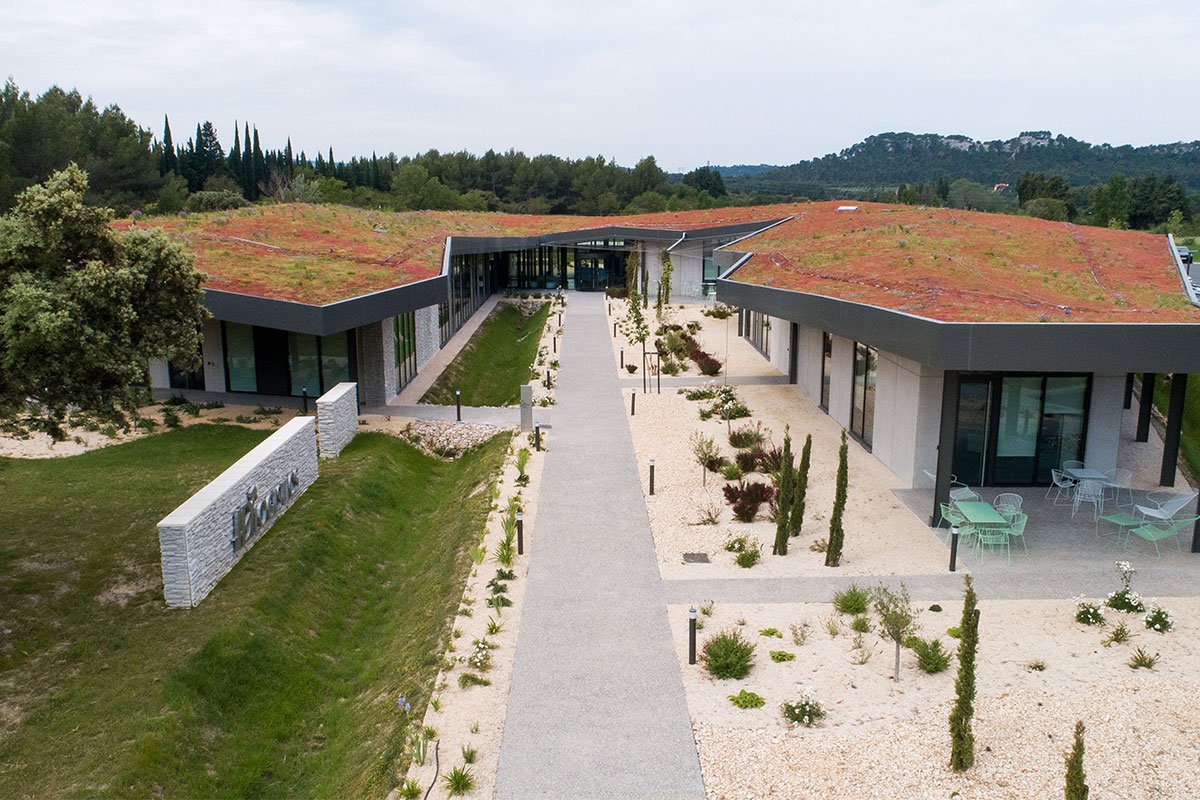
[[168, 161], [962, 737], [785, 486], [235, 158], [833, 548], [1076, 785], [796, 513]]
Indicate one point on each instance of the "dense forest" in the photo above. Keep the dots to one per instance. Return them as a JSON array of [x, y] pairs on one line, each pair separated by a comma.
[[133, 170]]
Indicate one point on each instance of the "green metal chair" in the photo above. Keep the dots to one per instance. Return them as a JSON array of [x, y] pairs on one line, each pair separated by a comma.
[[952, 518], [1017, 529], [993, 538], [1156, 533]]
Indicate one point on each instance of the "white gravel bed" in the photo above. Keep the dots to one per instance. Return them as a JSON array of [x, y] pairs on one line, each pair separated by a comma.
[[884, 740], [474, 717], [883, 537]]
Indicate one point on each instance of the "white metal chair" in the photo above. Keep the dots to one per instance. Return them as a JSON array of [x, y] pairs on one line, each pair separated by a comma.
[[1119, 481], [963, 494], [1008, 504], [1061, 485], [1072, 465], [1089, 492], [1165, 505]]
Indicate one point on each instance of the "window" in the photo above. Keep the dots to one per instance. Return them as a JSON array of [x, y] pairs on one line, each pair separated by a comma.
[[335, 360], [304, 362], [239, 357], [826, 369], [406, 347], [862, 411]]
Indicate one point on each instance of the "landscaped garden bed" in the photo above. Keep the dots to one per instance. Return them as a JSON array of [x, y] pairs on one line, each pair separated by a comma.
[[1038, 671]]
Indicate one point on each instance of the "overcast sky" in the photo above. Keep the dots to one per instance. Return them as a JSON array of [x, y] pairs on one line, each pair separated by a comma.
[[689, 81]]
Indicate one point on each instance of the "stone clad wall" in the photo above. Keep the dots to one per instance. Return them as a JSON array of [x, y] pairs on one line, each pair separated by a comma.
[[337, 418], [429, 334], [197, 538]]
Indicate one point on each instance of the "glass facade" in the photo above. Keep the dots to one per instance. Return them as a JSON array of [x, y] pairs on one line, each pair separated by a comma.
[[862, 409], [269, 361], [758, 331], [826, 368], [1012, 429], [405, 329]]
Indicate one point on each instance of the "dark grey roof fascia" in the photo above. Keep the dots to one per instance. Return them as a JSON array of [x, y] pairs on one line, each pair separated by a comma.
[[981, 346]]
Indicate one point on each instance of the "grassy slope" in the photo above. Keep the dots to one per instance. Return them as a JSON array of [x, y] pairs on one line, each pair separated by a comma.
[[283, 682], [496, 361], [1189, 437]]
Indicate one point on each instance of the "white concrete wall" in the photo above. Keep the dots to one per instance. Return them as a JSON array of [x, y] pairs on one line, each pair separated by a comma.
[[196, 539], [213, 352], [907, 417], [687, 274], [337, 419], [1104, 421], [841, 381], [808, 374], [429, 335], [160, 374], [780, 338]]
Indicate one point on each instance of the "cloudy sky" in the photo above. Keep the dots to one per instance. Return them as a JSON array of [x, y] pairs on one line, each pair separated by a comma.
[[689, 81]]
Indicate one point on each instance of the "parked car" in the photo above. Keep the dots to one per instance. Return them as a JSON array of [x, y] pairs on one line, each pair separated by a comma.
[[1185, 255]]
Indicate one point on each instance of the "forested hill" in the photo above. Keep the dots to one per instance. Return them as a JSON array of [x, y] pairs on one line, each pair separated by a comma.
[[888, 159]]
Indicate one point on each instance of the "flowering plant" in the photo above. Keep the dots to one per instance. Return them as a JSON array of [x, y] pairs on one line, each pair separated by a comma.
[[403, 704], [1159, 619], [804, 710], [480, 657], [1087, 612], [1126, 599]]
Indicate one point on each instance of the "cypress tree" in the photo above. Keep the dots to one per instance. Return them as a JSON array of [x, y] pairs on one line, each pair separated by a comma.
[[291, 162], [260, 168], [833, 549], [247, 176], [962, 737], [665, 285], [796, 513], [1076, 785], [330, 165], [235, 158], [784, 492], [168, 161]]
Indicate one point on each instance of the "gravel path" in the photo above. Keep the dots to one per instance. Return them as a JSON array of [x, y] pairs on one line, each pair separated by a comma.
[[597, 706]]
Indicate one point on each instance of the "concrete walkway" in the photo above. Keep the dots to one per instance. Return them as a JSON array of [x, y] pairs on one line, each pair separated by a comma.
[[597, 707]]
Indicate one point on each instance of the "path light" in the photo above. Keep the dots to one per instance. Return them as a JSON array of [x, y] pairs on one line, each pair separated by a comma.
[[622, 358], [652, 476], [537, 438], [632, 402], [458, 405], [304, 399], [614, 330], [520, 533], [554, 343], [953, 548], [692, 635]]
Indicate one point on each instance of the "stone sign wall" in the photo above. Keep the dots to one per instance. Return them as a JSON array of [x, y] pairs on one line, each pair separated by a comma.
[[204, 537], [337, 418]]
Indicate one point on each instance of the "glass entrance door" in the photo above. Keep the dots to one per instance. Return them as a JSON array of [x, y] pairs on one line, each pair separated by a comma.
[[971, 438]]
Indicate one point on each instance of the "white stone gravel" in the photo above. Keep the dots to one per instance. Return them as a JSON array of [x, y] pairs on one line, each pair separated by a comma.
[[882, 740], [441, 438]]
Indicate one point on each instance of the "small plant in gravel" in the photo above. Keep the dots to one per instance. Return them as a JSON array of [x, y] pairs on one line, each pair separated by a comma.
[[1142, 660], [708, 608], [935, 608], [706, 453], [418, 746], [833, 553], [962, 736], [1087, 612], [779, 656], [819, 545], [480, 657], [710, 512], [468, 679], [505, 575], [522, 463], [458, 781], [860, 653], [498, 602], [832, 628], [1118, 635], [931, 656], [897, 617], [738, 544], [804, 710], [478, 553], [772, 632], [851, 600], [474, 727], [746, 498], [731, 472], [1076, 787], [747, 460], [745, 699], [799, 634], [748, 558], [1125, 599], [728, 655], [747, 437], [860, 624], [409, 790], [1159, 619], [468, 754], [1037, 665]]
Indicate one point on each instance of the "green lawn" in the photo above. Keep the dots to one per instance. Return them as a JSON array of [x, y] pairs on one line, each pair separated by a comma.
[[283, 682], [495, 363], [1189, 437]]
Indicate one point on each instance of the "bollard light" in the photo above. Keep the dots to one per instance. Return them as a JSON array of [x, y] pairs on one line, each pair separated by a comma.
[[554, 343], [537, 438], [520, 533], [652, 476], [632, 402], [622, 358], [560, 319], [614, 330], [304, 399], [692, 635], [953, 548], [458, 405]]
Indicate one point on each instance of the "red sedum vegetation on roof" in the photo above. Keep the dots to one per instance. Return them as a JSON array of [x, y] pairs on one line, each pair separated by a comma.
[[964, 266], [320, 254]]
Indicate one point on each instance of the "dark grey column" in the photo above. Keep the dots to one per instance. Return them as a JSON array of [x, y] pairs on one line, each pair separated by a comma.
[[1145, 404], [1196, 536], [945, 452], [1174, 425], [741, 321], [793, 356], [1128, 390]]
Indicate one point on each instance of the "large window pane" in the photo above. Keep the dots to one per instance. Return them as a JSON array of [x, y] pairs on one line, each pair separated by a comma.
[[860, 384], [239, 357], [1020, 404], [872, 367], [1062, 434], [304, 364], [335, 360], [826, 367]]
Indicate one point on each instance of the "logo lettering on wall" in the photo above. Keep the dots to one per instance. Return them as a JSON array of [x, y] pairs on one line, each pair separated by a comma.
[[253, 516]]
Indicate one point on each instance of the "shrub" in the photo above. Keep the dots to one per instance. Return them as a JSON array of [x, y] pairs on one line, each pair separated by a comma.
[[522, 462], [728, 655], [860, 624], [708, 366], [731, 472], [748, 558], [738, 544], [170, 418], [718, 311], [744, 700], [1118, 635], [833, 553], [772, 632], [221, 200], [746, 498], [931, 656], [851, 600], [747, 437], [799, 634], [1088, 613], [409, 790], [1159, 619], [458, 781], [1142, 660], [804, 710], [770, 460], [747, 460], [935, 608], [782, 655], [631, 368], [147, 424], [468, 754]]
